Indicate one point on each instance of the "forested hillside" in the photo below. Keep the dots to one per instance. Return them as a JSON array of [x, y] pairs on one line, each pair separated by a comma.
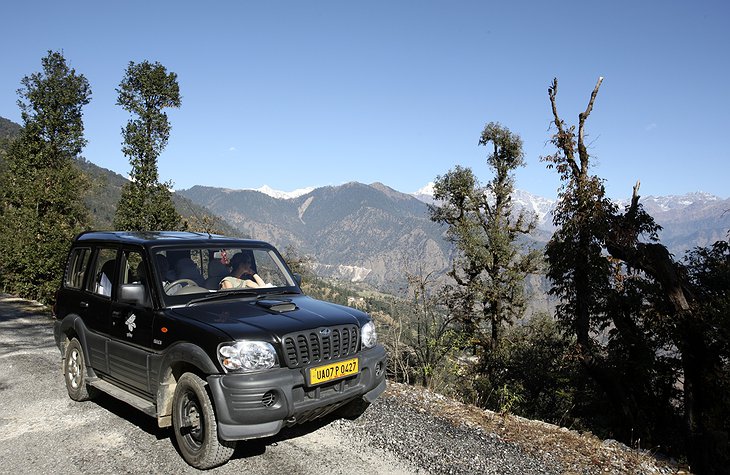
[[355, 232], [8, 128], [105, 188]]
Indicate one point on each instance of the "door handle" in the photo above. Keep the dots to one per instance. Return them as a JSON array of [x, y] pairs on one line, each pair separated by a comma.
[[84, 304]]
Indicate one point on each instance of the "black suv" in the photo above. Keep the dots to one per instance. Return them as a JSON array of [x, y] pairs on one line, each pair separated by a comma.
[[146, 318]]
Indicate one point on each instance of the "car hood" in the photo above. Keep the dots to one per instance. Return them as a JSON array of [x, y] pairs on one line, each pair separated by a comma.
[[271, 318]]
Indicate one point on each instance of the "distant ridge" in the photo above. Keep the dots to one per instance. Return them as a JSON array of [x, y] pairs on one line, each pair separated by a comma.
[[373, 232], [689, 220], [356, 232]]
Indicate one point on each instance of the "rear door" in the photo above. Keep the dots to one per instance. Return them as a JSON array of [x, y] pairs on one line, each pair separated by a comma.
[[96, 304]]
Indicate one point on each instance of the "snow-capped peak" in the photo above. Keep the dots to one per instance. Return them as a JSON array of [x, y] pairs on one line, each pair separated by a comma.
[[426, 190], [538, 205], [425, 194], [674, 202], [284, 195]]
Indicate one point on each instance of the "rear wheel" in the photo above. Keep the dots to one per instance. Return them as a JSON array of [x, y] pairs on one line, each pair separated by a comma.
[[195, 426], [74, 372]]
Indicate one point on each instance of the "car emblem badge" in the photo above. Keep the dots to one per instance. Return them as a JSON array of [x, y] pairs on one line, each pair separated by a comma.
[[130, 323], [325, 332]]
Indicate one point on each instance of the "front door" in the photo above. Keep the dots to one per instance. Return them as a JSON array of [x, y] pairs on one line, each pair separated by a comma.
[[131, 327]]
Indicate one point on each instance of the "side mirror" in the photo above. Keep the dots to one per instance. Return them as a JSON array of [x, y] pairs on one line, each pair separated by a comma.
[[133, 293], [297, 278]]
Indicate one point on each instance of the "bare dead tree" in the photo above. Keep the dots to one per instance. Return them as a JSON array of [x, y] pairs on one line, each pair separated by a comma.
[[623, 239], [579, 269], [565, 138]]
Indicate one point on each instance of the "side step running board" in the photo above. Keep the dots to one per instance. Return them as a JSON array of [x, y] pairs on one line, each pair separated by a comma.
[[132, 399]]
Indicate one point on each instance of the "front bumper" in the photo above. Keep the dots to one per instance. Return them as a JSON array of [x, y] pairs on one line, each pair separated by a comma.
[[260, 404]]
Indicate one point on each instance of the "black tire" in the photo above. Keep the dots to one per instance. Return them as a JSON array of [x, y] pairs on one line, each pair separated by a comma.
[[353, 409], [74, 372], [195, 426]]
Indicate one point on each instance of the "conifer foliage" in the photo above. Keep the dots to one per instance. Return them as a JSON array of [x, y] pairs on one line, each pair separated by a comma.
[[42, 189], [146, 203]]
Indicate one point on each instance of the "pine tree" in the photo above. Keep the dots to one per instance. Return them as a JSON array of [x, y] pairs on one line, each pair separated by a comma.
[[42, 189], [146, 203]]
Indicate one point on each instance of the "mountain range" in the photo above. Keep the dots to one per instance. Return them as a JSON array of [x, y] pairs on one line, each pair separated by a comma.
[[354, 231], [374, 233]]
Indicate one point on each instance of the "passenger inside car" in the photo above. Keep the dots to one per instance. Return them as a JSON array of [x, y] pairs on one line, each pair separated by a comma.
[[243, 274]]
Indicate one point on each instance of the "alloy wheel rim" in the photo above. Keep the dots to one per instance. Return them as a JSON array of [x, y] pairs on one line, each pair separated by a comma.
[[74, 369]]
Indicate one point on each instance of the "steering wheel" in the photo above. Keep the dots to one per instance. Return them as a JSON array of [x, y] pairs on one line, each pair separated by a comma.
[[178, 282]]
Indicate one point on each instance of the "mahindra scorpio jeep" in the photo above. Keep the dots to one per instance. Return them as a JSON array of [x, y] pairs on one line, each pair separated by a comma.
[[146, 318]]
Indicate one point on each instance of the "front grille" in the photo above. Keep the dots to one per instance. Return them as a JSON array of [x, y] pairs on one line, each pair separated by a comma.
[[321, 344]]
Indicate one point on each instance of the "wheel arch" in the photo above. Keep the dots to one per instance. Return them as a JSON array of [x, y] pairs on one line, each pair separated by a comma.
[[179, 359], [73, 326]]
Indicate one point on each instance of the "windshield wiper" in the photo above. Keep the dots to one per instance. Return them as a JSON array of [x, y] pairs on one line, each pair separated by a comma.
[[223, 294]]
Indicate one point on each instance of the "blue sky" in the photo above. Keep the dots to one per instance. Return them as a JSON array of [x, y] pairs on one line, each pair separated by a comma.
[[298, 94]]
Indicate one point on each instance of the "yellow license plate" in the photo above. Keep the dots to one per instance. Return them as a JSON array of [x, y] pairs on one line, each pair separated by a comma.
[[333, 371]]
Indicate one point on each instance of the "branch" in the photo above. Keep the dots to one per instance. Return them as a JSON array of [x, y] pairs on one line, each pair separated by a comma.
[[582, 151], [562, 137], [653, 259], [634, 201]]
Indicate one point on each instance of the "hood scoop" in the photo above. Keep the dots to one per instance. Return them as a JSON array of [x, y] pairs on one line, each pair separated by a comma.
[[277, 305]]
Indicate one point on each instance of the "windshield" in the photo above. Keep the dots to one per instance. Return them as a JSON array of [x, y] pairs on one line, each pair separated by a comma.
[[191, 273]]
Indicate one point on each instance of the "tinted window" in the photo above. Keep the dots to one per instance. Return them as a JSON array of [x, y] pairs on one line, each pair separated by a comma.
[[104, 272], [134, 268], [76, 270]]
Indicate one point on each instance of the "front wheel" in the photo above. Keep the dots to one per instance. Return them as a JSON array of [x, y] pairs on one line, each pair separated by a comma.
[[74, 372], [195, 427]]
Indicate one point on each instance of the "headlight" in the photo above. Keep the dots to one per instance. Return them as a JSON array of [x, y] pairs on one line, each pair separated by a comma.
[[368, 336], [247, 355]]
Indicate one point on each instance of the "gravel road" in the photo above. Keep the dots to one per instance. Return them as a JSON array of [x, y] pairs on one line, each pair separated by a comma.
[[43, 431]]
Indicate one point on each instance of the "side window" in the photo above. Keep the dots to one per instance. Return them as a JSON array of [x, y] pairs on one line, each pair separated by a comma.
[[104, 272], [134, 268], [76, 270]]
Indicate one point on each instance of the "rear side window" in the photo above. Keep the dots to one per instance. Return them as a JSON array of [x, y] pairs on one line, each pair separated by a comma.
[[104, 272], [76, 270]]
